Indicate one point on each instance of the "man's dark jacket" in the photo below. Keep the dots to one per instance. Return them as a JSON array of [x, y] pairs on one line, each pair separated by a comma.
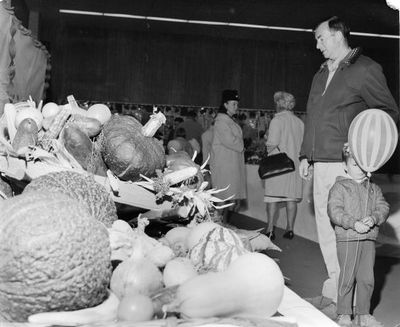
[[358, 84]]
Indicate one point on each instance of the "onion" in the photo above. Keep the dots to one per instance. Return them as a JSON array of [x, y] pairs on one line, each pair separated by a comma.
[[140, 276]]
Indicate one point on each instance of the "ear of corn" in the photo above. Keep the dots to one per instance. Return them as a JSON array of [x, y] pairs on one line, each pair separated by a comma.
[[56, 127], [181, 175]]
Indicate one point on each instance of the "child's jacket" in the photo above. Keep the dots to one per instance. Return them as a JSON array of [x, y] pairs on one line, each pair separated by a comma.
[[348, 203]]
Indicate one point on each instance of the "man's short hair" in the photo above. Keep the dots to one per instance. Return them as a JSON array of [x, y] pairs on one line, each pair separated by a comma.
[[337, 24]]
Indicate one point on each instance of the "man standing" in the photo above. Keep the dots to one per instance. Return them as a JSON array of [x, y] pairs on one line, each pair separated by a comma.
[[346, 84]]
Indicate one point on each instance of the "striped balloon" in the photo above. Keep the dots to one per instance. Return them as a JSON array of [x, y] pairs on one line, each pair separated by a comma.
[[372, 139]]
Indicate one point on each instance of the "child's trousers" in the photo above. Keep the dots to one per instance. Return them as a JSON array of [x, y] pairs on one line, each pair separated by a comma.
[[356, 261]]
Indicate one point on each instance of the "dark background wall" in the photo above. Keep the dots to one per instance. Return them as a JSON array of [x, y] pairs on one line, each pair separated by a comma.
[[109, 64]]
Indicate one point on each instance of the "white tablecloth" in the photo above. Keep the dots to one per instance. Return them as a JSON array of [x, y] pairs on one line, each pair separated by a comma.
[[306, 315]]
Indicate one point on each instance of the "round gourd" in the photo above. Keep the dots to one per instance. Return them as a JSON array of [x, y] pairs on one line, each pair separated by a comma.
[[217, 250], [54, 256], [50, 109], [198, 232], [100, 112], [80, 187]]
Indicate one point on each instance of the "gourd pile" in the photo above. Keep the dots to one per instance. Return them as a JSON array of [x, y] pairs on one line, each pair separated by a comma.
[[60, 236], [71, 137]]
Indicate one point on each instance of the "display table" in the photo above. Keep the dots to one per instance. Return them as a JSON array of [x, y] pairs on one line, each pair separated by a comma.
[[304, 314], [292, 308], [305, 221]]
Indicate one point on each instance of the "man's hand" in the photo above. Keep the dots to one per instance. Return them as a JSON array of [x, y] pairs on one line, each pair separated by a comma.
[[304, 169], [369, 221], [360, 227]]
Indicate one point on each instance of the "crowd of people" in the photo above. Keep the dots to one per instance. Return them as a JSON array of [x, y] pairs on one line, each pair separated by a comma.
[[347, 83]]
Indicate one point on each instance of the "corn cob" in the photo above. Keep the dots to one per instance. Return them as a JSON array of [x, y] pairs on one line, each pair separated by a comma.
[[56, 127], [181, 175]]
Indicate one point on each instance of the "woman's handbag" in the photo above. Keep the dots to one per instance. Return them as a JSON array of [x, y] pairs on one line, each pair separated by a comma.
[[275, 164]]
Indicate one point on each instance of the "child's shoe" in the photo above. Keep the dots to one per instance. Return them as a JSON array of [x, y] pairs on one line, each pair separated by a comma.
[[368, 321], [344, 321]]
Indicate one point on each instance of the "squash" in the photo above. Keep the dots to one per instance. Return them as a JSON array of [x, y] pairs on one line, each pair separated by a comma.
[[27, 135], [77, 144], [217, 250], [127, 152], [221, 260], [90, 126], [177, 271], [84, 151], [80, 187], [54, 256], [198, 232], [252, 286]]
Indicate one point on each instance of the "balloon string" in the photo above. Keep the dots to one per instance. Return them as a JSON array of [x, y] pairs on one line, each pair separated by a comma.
[[368, 186]]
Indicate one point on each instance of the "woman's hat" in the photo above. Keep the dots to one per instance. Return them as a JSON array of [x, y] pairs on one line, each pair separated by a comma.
[[228, 95]]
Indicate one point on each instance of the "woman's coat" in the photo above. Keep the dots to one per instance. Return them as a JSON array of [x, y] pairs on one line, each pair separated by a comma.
[[227, 154]]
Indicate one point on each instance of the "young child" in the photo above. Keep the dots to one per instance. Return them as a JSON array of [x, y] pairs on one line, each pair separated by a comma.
[[356, 208]]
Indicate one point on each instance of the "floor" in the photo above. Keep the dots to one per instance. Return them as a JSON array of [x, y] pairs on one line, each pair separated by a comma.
[[301, 262]]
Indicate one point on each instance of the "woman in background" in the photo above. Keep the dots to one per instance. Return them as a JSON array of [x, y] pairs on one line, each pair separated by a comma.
[[285, 134], [227, 153]]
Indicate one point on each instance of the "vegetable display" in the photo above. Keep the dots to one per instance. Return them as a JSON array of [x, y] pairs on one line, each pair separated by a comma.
[[70, 261]]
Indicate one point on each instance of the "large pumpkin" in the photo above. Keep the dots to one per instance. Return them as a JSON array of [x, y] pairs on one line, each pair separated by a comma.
[[127, 152], [54, 256], [80, 187]]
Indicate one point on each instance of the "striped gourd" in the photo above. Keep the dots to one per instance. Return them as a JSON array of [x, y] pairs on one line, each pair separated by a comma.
[[216, 250], [221, 260]]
